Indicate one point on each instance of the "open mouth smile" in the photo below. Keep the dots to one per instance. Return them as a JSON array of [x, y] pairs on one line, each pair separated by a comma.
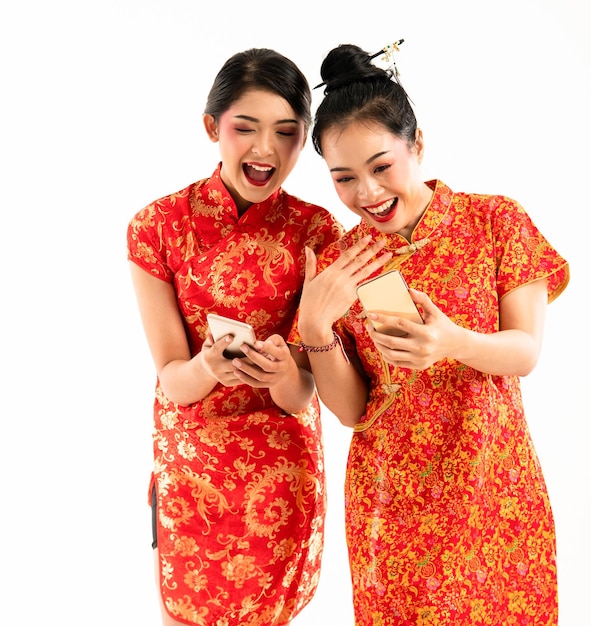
[[384, 211], [258, 174]]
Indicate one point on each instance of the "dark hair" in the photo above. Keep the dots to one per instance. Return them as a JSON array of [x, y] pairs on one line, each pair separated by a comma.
[[260, 68], [357, 90]]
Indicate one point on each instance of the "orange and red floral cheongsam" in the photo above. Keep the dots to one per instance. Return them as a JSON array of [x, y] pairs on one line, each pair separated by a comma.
[[447, 514]]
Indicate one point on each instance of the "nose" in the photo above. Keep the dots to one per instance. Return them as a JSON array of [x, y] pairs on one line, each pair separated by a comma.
[[368, 190], [263, 144]]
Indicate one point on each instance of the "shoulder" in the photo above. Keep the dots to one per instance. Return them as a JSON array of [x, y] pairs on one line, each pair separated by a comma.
[[486, 210], [311, 216], [164, 208], [334, 249], [153, 232], [487, 203], [305, 208]]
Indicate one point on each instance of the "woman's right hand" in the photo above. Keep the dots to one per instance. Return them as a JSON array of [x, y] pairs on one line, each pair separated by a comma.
[[216, 364], [327, 296]]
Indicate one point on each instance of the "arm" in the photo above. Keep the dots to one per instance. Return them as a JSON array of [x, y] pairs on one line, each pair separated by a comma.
[[515, 349], [184, 379], [512, 351], [296, 389], [326, 297], [341, 386]]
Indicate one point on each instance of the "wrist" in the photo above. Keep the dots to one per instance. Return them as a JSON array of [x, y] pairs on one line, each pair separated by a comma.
[[315, 336], [327, 347]]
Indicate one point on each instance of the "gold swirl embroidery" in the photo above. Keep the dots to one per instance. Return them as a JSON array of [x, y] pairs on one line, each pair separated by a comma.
[[185, 609], [199, 206], [225, 280], [276, 513], [207, 500], [275, 259], [232, 404]]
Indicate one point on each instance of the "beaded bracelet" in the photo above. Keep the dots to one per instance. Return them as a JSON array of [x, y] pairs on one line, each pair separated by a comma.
[[329, 346]]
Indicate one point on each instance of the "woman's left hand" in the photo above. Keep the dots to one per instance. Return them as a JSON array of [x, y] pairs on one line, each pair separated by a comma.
[[267, 364], [419, 345]]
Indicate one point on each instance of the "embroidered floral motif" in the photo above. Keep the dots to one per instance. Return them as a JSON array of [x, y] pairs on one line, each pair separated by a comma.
[[447, 515], [240, 485]]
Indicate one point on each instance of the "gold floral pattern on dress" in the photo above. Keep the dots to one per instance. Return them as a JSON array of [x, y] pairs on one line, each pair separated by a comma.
[[240, 485], [447, 514]]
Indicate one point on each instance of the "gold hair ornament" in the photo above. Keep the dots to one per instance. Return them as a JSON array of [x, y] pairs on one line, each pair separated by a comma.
[[388, 53]]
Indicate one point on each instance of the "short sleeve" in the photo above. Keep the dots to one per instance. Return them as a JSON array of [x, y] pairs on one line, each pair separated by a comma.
[[323, 230], [523, 254], [145, 244]]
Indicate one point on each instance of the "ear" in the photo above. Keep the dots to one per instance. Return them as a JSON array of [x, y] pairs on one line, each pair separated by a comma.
[[305, 138], [211, 127], [419, 145]]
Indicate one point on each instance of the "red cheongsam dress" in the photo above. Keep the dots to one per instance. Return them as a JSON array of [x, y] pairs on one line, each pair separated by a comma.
[[239, 484]]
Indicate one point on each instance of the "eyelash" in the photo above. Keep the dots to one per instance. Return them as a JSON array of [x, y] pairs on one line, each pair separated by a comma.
[[246, 131], [377, 170]]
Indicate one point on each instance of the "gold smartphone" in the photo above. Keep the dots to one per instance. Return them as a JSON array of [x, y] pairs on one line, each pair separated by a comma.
[[388, 293], [221, 326]]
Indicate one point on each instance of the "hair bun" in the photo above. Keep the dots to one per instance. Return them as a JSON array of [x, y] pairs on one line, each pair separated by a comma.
[[347, 63]]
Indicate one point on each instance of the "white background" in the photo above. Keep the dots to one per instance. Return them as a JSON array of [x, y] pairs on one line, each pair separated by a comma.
[[100, 113]]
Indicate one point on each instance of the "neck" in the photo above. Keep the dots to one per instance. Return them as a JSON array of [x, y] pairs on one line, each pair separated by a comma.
[[423, 198]]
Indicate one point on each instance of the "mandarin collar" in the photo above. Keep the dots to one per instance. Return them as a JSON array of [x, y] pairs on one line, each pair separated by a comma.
[[222, 195]]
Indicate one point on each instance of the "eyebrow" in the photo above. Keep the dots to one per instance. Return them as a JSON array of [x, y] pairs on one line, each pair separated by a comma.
[[370, 160], [248, 118]]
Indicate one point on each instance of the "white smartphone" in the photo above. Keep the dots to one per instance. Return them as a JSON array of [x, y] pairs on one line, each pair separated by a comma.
[[388, 293], [221, 326]]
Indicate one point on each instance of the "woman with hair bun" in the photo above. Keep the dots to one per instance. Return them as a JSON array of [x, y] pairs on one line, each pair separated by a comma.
[[237, 490], [448, 519]]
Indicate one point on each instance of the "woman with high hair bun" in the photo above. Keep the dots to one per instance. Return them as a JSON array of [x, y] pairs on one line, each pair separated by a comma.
[[237, 489], [448, 520]]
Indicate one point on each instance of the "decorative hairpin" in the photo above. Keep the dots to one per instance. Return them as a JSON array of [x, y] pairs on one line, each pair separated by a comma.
[[388, 53]]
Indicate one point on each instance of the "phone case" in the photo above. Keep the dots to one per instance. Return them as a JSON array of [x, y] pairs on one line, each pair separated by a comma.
[[221, 326], [388, 293]]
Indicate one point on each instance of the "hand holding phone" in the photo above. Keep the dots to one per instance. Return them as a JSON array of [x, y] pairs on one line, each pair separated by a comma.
[[221, 326], [389, 294]]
